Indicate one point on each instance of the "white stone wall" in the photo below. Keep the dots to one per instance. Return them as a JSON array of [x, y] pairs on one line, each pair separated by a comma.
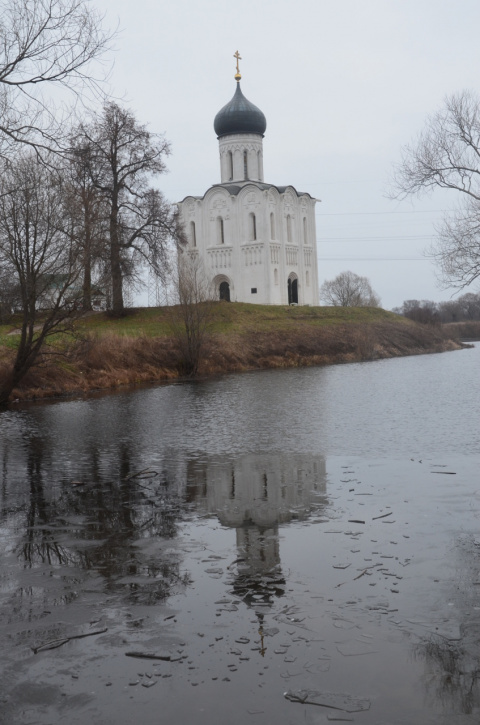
[[232, 161], [261, 255]]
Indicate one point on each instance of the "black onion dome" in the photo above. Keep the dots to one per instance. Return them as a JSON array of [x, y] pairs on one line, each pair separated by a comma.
[[239, 116]]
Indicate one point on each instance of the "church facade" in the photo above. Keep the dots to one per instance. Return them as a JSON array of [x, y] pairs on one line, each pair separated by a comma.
[[257, 241]]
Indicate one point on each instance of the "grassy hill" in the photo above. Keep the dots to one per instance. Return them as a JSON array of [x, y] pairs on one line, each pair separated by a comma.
[[104, 352]]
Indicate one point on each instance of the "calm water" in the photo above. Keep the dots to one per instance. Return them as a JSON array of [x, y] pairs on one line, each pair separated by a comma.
[[298, 546]]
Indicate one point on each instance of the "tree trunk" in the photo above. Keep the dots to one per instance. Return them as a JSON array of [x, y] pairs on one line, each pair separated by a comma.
[[6, 387], [115, 265], [23, 362], [87, 262], [87, 286]]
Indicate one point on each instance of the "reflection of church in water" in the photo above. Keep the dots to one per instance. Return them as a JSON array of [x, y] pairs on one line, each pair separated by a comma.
[[255, 494], [257, 241]]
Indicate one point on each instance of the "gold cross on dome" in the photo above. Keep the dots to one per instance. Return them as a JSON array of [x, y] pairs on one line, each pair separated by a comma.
[[238, 57]]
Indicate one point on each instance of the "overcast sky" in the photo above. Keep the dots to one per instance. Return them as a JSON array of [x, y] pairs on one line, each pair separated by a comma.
[[344, 84]]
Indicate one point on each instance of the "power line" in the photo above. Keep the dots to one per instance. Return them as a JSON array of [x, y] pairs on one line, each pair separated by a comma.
[[417, 237], [373, 259], [377, 213]]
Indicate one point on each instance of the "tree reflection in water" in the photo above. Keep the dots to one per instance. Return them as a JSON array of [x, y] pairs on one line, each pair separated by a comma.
[[453, 675], [112, 523], [453, 665]]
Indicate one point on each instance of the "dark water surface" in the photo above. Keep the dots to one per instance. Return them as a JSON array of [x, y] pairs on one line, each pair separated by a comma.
[[298, 546]]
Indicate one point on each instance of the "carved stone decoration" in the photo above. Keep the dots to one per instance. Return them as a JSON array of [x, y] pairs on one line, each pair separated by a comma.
[[219, 208], [274, 253], [252, 254], [251, 201], [291, 254], [289, 203], [220, 258]]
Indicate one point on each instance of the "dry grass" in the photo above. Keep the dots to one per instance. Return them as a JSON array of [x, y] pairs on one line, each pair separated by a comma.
[[463, 330], [245, 337], [324, 345]]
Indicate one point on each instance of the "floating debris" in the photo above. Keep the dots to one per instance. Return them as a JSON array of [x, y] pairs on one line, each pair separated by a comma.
[[383, 516], [54, 643], [146, 473], [328, 699], [149, 656]]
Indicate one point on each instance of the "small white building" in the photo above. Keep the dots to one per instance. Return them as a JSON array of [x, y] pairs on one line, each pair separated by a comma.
[[257, 240]]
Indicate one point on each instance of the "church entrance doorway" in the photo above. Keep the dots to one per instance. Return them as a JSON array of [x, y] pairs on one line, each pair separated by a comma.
[[224, 291], [292, 291]]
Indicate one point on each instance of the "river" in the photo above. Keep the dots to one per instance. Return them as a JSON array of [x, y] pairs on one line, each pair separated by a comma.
[[289, 546]]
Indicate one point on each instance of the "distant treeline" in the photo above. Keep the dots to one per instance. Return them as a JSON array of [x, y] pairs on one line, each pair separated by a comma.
[[464, 309]]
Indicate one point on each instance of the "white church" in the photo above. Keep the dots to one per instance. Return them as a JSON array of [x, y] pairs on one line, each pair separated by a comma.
[[257, 241]]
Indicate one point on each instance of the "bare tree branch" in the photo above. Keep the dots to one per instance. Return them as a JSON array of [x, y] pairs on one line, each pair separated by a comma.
[[45, 44], [446, 155]]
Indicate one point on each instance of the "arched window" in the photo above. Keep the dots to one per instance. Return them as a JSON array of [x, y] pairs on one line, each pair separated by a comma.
[[304, 229], [272, 225], [289, 228], [230, 165], [252, 227], [245, 164], [275, 276], [259, 165], [193, 236], [220, 231], [307, 278]]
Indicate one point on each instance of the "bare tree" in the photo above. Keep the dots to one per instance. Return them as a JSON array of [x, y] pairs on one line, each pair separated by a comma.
[[349, 290], [124, 156], [446, 155], [191, 317], [424, 311], [37, 253], [464, 309], [45, 45], [88, 214]]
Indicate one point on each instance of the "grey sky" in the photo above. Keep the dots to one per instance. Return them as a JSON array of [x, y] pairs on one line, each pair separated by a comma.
[[343, 85]]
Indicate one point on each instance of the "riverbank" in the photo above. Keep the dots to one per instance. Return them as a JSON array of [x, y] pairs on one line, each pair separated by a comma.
[[144, 346], [463, 330]]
